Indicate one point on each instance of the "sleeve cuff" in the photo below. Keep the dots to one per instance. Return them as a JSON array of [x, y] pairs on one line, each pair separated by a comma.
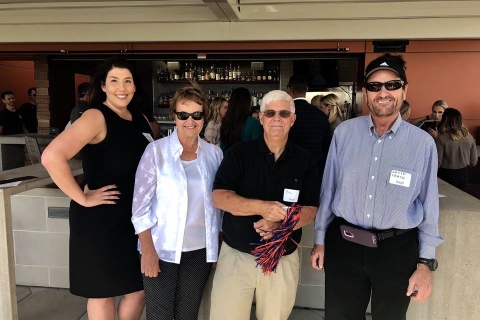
[[143, 223], [319, 237], [426, 251]]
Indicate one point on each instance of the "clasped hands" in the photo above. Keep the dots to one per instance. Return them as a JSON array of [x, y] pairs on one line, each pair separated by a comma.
[[272, 214]]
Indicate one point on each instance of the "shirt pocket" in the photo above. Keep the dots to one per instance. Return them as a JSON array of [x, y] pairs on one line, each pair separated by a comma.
[[401, 183], [289, 190]]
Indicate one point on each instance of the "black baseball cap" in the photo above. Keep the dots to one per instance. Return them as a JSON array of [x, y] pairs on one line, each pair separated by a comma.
[[385, 64]]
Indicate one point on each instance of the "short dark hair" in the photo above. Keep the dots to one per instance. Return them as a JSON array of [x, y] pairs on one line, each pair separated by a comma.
[[298, 83], [4, 93], [82, 89], [29, 91]]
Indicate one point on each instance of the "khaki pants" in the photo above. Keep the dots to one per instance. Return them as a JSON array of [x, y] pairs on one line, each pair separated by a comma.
[[237, 279]]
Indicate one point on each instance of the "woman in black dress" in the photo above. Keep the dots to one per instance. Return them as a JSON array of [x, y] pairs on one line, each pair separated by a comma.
[[111, 137]]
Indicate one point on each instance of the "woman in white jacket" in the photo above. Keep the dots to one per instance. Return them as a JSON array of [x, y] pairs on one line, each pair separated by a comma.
[[173, 212]]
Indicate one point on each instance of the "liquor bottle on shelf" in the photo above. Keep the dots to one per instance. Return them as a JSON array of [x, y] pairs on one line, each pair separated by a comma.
[[254, 99], [230, 73], [212, 72], [270, 76], [259, 76], [218, 75], [239, 73], [186, 73]]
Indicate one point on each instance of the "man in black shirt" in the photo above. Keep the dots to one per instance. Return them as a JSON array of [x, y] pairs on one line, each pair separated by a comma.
[[28, 111], [10, 120], [254, 183], [312, 129]]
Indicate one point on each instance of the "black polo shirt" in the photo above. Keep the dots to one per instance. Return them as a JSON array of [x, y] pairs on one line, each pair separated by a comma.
[[249, 169], [11, 122]]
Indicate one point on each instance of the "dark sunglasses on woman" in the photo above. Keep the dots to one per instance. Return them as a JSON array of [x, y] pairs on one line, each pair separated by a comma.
[[198, 115]]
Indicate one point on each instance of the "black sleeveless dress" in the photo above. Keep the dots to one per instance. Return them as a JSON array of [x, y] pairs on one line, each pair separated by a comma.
[[104, 261]]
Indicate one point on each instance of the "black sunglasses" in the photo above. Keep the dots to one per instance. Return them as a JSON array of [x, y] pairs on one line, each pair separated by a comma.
[[391, 85], [271, 113], [198, 115]]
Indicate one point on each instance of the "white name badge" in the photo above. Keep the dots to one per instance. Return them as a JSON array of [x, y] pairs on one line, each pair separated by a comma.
[[290, 195], [400, 178], [148, 136]]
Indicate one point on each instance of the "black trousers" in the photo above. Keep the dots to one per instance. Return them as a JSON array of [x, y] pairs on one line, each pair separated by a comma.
[[456, 177], [354, 273], [176, 293]]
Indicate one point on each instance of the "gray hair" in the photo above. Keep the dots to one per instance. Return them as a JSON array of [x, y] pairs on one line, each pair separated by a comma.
[[276, 95]]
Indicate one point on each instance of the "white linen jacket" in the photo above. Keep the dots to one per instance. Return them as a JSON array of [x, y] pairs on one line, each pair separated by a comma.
[[160, 196]]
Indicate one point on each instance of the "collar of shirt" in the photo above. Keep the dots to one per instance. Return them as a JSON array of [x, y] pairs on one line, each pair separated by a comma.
[[394, 129], [263, 148], [300, 99], [177, 147]]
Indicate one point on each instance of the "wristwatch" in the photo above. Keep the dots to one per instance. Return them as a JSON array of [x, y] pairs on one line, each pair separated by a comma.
[[432, 264]]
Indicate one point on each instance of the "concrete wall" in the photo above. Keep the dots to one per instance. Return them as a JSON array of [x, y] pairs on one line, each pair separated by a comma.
[[40, 243]]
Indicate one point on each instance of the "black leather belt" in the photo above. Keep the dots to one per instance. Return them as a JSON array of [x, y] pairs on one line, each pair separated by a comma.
[[390, 233]]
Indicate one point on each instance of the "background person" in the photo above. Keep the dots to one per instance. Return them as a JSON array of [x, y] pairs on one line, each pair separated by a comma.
[[11, 121], [312, 129], [405, 110], [28, 111], [173, 212], [397, 199], [218, 107], [329, 104], [456, 149], [316, 100], [431, 122], [237, 125], [104, 260]]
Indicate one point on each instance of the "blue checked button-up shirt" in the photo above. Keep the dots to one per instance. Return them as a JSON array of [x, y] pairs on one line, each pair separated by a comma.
[[382, 182]]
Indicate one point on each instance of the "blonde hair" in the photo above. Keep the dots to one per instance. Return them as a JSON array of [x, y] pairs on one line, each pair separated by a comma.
[[316, 100], [335, 112], [440, 103], [405, 110], [215, 107]]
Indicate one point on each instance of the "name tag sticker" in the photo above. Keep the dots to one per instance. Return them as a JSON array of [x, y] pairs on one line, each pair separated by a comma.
[[148, 136], [400, 178], [290, 195]]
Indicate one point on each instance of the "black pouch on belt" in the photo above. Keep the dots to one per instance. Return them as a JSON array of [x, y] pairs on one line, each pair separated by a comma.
[[360, 236]]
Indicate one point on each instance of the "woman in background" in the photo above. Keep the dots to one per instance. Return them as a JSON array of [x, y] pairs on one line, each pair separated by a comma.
[[405, 110], [432, 121], [111, 137], [237, 125], [218, 107], [456, 149], [173, 212], [331, 103], [316, 100]]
